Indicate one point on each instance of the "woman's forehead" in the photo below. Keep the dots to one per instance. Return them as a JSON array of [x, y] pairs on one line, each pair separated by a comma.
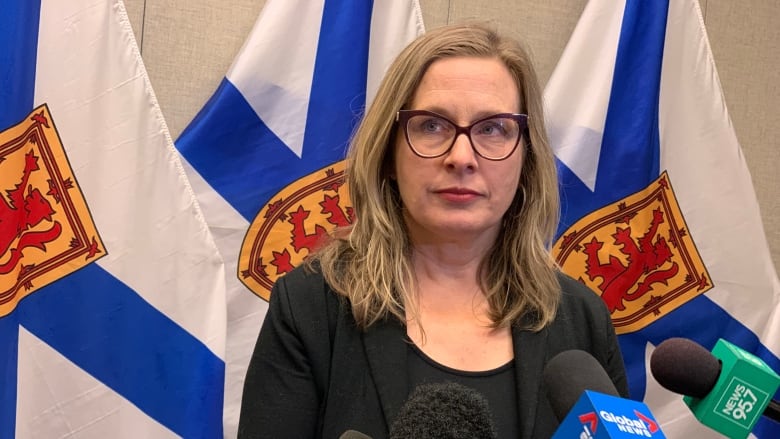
[[460, 86]]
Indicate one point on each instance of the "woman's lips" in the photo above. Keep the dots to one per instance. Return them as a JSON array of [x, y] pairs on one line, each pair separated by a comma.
[[458, 194]]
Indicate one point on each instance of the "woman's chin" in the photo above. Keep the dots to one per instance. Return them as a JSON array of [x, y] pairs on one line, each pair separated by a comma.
[[451, 230]]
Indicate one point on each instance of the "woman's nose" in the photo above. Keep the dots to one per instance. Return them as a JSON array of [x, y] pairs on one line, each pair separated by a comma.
[[462, 154]]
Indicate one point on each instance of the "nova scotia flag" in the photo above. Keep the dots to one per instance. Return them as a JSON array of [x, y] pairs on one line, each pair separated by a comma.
[[659, 215], [264, 154], [112, 291]]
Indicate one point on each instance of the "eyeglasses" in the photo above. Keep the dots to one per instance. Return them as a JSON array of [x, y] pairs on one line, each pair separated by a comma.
[[431, 135]]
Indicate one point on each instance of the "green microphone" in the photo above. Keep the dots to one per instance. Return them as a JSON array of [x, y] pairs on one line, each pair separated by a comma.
[[727, 389]]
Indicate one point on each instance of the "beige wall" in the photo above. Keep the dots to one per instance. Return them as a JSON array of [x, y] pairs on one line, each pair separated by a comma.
[[188, 45]]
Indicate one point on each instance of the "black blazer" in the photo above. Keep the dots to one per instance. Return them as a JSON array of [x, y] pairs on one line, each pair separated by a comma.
[[313, 374]]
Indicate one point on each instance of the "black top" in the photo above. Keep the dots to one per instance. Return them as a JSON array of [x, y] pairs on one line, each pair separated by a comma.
[[314, 374], [496, 385]]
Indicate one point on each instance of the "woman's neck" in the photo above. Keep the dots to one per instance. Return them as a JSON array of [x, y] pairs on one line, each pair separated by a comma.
[[447, 281]]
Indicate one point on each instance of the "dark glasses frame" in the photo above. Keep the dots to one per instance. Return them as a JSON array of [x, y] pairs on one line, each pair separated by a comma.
[[403, 116]]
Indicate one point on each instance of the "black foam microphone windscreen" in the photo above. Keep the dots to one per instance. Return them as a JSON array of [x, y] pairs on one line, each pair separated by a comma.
[[570, 373], [444, 411], [685, 367], [353, 434]]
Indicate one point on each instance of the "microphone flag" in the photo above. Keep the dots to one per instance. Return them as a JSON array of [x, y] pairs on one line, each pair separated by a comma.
[[743, 390], [601, 416]]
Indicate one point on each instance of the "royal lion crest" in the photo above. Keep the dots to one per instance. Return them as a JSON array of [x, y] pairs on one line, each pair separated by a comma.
[[46, 231], [638, 255], [291, 226]]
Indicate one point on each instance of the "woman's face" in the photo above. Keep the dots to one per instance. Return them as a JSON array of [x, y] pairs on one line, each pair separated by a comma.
[[459, 195]]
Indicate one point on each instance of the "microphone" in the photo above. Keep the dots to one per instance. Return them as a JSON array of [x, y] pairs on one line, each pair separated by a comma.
[[727, 389], [444, 411], [587, 405], [352, 434]]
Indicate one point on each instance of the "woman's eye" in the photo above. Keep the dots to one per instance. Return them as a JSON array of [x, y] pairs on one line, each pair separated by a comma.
[[491, 129], [433, 125]]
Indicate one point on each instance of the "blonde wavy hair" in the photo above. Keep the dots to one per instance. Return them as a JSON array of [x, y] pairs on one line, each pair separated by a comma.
[[370, 262]]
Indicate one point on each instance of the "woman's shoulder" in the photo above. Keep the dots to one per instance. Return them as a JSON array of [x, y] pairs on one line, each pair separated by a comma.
[[304, 289], [575, 294], [583, 322], [306, 275], [573, 287]]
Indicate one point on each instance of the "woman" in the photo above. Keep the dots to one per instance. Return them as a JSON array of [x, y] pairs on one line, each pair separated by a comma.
[[446, 273]]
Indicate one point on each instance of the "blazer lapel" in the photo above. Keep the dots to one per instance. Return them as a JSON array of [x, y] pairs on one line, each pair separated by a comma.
[[386, 349], [530, 353]]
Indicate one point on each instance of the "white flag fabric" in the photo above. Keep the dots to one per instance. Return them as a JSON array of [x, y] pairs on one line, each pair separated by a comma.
[[659, 215], [112, 291], [265, 153]]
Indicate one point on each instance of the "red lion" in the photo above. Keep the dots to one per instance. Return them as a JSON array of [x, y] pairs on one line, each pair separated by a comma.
[[20, 214]]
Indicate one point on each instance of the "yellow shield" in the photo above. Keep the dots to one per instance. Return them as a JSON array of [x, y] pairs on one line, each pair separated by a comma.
[[638, 254], [46, 231], [292, 226]]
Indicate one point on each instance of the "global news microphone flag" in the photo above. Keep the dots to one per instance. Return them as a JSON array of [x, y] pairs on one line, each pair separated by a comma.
[[659, 215], [265, 153], [112, 301]]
